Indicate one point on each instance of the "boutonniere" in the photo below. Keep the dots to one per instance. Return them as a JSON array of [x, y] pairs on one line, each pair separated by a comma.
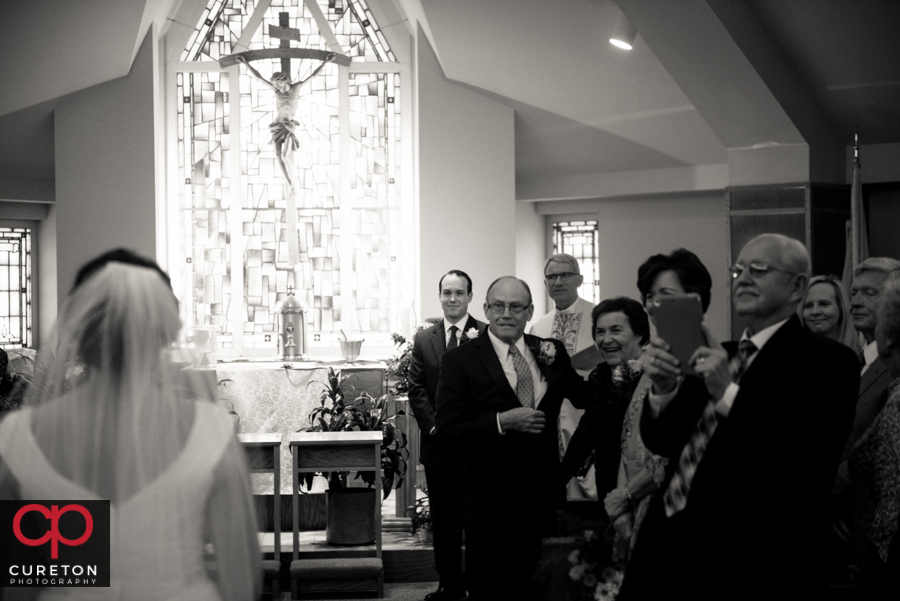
[[470, 334], [547, 353], [627, 372]]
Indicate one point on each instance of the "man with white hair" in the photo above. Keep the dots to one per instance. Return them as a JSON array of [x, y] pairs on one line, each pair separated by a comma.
[[869, 279], [754, 437], [569, 322], [868, 282]]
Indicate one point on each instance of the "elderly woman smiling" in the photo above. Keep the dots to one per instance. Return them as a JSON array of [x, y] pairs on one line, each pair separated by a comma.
[[825, 310], [620, 328]]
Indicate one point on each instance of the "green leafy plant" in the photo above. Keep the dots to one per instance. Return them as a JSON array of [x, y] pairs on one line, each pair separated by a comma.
[[419, 513], [398, 365], [364, 414], [12, 385]]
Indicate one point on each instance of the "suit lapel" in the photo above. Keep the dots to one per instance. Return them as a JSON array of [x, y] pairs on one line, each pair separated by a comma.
[[771, 353], [491, 363], [872, 375], [439, 341], [534, 345], [471, 324]]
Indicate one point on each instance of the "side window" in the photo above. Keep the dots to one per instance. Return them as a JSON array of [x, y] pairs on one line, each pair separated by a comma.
[[579, 239], [16, 287]]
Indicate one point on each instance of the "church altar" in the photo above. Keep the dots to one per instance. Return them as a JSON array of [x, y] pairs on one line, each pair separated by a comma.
[[277, 396]]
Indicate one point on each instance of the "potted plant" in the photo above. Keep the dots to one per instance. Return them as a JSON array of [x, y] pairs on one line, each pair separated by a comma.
[[419, 515], [349, 513], [12, 384], [398, 365]]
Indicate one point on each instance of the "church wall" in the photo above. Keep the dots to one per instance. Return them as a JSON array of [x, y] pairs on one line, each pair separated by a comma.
[[633, 229], [531, 252], [466, 184], [105, 192]]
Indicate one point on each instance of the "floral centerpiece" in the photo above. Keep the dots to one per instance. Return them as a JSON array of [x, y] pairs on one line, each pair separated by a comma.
[[398, 365]]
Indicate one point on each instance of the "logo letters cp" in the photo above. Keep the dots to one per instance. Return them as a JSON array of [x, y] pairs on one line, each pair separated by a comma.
[[53, 534]]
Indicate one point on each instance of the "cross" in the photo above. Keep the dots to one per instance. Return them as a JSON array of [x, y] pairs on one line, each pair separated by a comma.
[[290, 290], [284, 22]]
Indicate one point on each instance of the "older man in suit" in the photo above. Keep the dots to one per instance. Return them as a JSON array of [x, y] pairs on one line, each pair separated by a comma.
[[754, 440], [442, 468], [865, 293], [497, 399]]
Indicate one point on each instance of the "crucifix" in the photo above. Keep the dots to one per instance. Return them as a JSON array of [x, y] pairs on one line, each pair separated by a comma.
[[283, 128]]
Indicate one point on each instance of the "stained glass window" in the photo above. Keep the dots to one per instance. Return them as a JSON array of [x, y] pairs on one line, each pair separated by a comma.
[[15, 287], [348, 234], [580, 239]]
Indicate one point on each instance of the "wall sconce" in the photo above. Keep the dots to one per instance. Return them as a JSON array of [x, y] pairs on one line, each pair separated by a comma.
[[623, 35]]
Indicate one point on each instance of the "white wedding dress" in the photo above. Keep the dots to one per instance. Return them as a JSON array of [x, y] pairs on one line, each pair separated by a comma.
[[156, 554]]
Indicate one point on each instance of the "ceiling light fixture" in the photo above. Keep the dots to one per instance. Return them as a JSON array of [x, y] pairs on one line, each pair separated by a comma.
[[623, 35]]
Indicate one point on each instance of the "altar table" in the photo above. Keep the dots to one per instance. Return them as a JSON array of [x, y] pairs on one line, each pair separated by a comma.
[[278, 397]]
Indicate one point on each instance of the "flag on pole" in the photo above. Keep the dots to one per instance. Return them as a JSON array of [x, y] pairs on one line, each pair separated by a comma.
[[857, 239]]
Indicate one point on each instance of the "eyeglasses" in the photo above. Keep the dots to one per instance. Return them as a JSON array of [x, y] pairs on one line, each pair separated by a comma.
[[756, 269], [563, 277], [500, 308]]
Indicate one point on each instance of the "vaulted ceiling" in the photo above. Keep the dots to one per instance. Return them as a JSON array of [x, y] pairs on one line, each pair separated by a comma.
[[706, 79]]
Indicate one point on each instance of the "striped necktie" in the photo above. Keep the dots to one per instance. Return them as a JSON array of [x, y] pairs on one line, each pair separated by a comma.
[[676, 495]]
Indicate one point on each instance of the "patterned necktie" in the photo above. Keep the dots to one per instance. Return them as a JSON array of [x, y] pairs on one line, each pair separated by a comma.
[[524, 382], [454, 341], [861, 357], [676, 495], [746, 350]]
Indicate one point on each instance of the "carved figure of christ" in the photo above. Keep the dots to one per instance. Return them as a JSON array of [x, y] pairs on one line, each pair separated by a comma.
[[283, 128]]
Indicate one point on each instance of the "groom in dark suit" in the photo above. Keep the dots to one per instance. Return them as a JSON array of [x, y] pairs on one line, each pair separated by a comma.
[[496, 396], [442, 467], [753, 442]]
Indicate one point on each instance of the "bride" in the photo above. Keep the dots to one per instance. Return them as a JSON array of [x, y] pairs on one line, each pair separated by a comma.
[[103, 420]]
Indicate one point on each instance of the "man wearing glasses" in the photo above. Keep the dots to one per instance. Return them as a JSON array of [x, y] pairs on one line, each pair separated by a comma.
[[754, 439], [497, 399], [569, 322]]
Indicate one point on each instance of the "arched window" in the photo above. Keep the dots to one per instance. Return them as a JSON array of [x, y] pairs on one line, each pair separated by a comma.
[[232, 258]]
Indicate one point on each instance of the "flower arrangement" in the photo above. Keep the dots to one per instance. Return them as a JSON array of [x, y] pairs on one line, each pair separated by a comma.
[[594, 573], [625, 373], [365, 414], [420, 513], [12, 385], [398, 365]]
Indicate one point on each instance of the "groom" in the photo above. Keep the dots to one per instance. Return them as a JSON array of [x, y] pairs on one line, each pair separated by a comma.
[[495, 398]]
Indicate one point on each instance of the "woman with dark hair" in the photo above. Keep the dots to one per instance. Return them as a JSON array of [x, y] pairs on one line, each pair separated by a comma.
[[640, 472], [620, 329], [680, 273]]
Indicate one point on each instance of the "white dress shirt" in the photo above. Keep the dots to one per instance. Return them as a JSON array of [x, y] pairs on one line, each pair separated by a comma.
[[870, 353], [509, 368], [459, 326]]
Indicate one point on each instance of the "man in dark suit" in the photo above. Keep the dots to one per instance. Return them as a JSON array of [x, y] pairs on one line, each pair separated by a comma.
[[754, 440], [442, 468], [496, 396]]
